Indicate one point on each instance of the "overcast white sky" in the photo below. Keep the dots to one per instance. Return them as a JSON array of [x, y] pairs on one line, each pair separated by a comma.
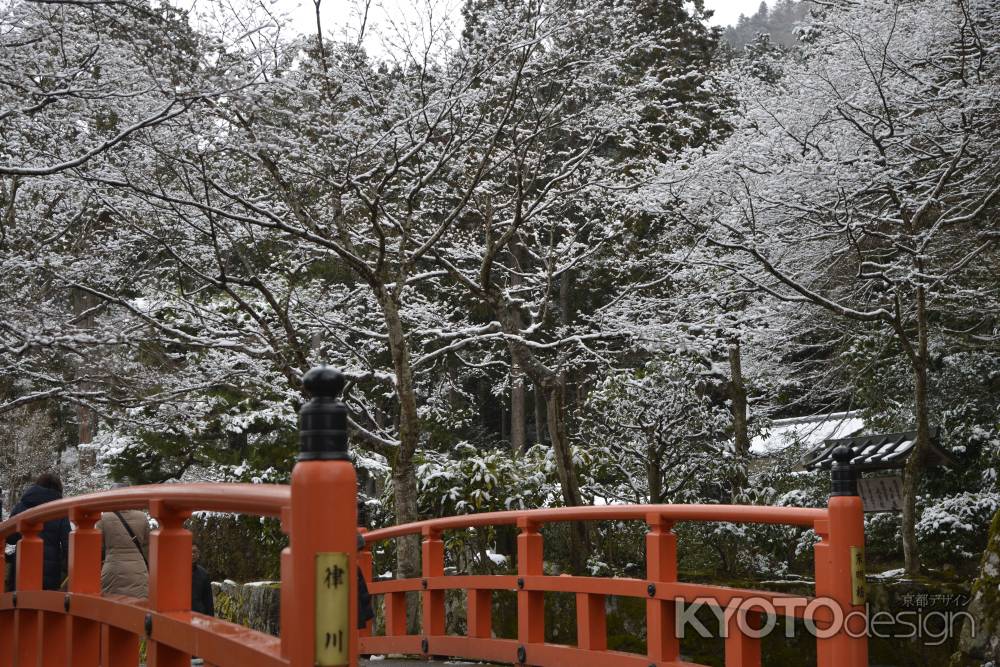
[[340, 11], [727, 11]]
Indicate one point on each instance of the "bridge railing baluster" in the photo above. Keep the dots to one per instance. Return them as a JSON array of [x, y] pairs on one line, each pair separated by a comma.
[[742, 649], [530, 604], [479, 613], [6, 617], [28, 578], [119, 648], [84, 641], [432, 564], [365, 562], [6, 633], [662, 644], [395, 614], [591, 622], [52, 634], [169, 578]]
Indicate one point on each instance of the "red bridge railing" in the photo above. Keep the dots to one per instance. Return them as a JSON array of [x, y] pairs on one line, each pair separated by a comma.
[[51, 628], [840, 527], [83, 628]]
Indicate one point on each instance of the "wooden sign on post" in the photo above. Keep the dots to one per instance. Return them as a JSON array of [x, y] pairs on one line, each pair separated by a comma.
[[857, 575], [333, 618], [881, 494]]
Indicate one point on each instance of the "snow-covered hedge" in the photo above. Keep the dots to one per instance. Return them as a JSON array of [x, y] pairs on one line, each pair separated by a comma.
[[956, 526]]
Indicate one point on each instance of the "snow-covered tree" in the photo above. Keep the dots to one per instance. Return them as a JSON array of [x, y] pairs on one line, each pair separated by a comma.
[[865, 182], [80, 81], [659, 433]]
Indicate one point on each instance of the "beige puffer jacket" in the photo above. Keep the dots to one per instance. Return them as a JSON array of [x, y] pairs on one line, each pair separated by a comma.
[[124, 571]]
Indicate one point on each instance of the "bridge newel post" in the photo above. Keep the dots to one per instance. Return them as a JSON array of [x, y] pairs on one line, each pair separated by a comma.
[[319, 630], [840, 576], [530, 604], [28, 577], [84, 640], [662, 643]]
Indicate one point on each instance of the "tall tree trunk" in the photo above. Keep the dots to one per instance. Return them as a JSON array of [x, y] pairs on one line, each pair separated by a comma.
[[553, 384], [540, 419], [518, 416], [404, 479], [555, 399], [738, 401], [654, 476], [566, 317], [915, 464], [86, 418]]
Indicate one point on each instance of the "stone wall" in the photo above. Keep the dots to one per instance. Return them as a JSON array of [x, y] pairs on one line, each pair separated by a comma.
[[979, 643], [255, 605]]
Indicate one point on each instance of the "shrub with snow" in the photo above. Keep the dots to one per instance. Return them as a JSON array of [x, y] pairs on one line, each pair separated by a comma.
[[955, 527]]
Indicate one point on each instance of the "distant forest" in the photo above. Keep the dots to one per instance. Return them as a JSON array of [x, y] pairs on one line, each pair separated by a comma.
[[779, 22]]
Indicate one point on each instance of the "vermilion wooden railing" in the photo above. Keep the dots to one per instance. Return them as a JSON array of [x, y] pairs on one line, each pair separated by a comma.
[[840, 527], [318, 511], [53, 628]]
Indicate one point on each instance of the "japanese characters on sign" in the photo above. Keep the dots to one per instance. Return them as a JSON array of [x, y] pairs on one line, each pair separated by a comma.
[[333, 599], [881, 494], [857, 575]]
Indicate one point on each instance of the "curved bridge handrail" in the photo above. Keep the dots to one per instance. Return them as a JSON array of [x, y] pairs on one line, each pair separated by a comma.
[[794, 516], [839, 527], [79, 626], [319, 602], [258, 499]]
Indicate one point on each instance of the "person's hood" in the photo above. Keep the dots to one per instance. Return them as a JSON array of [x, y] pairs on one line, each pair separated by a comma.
[[39, 495]]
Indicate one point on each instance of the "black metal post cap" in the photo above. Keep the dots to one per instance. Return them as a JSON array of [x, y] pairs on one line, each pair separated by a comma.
[[323, 382], [843, 476], [323, 418]]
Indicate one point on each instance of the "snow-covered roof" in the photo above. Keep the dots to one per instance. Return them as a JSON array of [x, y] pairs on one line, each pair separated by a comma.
[[885, 451], [809, 431]]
